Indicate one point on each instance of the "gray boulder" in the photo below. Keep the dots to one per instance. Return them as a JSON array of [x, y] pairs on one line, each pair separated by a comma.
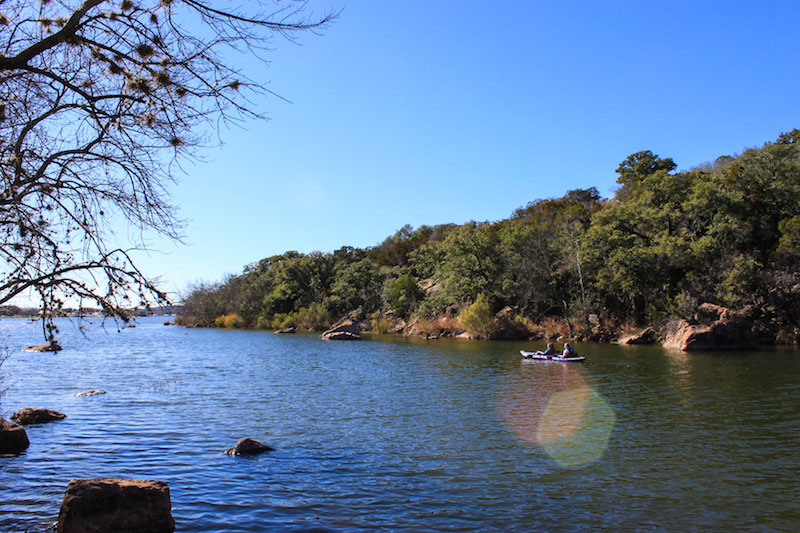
[[33, 415], [119, 505]]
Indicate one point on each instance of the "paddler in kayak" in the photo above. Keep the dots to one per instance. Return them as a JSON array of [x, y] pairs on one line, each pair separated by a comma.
[[568, 351], [550, 350]]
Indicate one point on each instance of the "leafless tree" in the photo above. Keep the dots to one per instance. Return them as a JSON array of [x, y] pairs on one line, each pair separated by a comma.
[[100, 101]]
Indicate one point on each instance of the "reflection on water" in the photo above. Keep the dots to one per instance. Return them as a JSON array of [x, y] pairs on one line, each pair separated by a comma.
[[407, 434], [550, 403]]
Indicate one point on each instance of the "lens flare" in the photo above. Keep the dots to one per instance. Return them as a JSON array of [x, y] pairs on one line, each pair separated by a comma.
[[551, 405]]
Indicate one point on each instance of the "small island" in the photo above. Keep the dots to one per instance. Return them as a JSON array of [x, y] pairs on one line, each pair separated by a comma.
[[716, 246]]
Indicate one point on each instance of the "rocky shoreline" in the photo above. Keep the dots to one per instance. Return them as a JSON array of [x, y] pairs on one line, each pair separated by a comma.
[[711, 327]]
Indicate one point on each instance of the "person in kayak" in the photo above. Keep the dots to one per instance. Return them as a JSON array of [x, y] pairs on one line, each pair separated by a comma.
[[550, 350], [568, 351]]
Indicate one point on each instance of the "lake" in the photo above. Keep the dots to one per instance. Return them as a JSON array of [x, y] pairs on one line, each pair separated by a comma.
[[399, 433]]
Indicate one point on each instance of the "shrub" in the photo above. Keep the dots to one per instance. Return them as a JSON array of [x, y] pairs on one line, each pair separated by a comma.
[[380, 323], [312, 318], [477, 319], [551, 328], [229, 321], [440, 326], [433, 305]]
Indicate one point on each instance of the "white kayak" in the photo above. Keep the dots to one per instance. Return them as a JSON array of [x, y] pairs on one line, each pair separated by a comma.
[[534, 355]]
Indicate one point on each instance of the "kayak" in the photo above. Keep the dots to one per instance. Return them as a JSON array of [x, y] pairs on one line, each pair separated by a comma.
[[534, 355]]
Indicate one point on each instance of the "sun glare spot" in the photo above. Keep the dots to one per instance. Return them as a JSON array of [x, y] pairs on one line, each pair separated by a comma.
[[554, 408], [575, 427]]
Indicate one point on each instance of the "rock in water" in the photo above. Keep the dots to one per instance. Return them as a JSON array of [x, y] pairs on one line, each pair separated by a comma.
[[119, 505], [344, 330], [248, 447], [50, 347], [13, 438], [90, 393], [712, 327], [648, 336], [32, 415]]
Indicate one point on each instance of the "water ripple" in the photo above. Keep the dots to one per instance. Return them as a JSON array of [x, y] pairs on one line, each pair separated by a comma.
[[407, 435]]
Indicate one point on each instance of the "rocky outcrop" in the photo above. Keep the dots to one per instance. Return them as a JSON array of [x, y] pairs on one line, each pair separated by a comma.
[[33, 415], [90, 393], [119, 505], [648, 336], [712, 327], [13, 439], [49, 347], [344, 330], [248, 447], [290, 329]]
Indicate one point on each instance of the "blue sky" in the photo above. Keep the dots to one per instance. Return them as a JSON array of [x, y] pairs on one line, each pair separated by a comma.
[[428, 112]]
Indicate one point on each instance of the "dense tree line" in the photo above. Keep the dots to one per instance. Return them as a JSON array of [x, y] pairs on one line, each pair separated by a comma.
[[726, 232]]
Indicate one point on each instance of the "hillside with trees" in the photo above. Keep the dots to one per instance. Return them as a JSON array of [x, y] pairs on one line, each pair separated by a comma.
[[726, 232]]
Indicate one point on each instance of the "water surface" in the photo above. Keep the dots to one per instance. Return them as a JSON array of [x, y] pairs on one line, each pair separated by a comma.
[[405, 434]]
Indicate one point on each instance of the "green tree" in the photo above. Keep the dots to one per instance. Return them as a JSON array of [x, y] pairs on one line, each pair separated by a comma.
[[638, 166], [405, 294]]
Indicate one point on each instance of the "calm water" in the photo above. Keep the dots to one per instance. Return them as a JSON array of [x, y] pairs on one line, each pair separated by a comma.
[[404, 434]]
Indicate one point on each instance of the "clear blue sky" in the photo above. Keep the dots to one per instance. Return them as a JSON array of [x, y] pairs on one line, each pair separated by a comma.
[[428, 112]]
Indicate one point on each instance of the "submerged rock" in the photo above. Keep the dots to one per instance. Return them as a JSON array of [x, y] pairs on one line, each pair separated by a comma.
[[248, 447], [13, 438], [33, 415], [119, 505], [90, 393], [49, 347]]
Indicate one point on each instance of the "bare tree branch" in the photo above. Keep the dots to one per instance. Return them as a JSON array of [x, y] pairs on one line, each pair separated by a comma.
[[100, 102]]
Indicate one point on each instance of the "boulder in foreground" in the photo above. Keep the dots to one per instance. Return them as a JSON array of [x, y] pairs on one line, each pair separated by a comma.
[[344, 330], [712, 327], [49, 347], [33, 415], [248, 447], [13, 439], [119, 505]]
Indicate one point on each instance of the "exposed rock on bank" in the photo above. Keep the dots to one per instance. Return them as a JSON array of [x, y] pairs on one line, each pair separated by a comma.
[[119, 505], [13, 439], [712, 327], [344, 330], [290, 329], [248, 447], [33, 415], [49, 347], [648, 336]]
